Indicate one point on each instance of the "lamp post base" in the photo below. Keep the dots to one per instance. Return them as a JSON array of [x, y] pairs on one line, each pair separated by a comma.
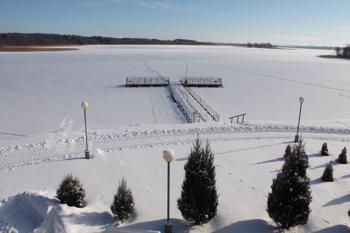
[[296, 139], [87, 154], [168, 227]]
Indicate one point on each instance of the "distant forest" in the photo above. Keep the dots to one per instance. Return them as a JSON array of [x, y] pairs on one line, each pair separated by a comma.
[[8, 39], [261, 45], [38, 39]]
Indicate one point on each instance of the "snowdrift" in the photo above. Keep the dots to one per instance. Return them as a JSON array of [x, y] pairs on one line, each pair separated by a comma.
[[30, 212]]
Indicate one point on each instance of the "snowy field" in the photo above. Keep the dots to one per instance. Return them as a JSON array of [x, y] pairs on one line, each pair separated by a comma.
[[41, 134]]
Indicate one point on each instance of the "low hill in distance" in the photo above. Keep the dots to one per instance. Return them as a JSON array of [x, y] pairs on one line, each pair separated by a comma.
[[15, 39]]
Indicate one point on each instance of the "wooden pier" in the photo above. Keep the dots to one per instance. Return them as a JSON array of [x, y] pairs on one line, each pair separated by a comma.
[[201, 82], [181, 93], [203, 104], [146, 81], [189, 113]]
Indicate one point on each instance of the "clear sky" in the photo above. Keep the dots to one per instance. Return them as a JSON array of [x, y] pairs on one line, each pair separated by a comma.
[[298, 22]]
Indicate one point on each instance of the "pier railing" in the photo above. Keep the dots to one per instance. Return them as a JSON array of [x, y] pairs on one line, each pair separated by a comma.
[[203, 104], [237, 117], [201, 82], [146, 81]]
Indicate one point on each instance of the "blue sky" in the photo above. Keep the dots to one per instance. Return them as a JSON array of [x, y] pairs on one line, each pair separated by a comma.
[[301, 22]]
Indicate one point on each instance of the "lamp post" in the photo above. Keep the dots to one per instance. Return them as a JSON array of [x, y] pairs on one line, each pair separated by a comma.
[[168, 156], [85, 105], [301, 101]]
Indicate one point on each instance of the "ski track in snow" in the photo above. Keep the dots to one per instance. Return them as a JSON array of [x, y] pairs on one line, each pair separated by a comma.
[[152, 104], [12, 156]]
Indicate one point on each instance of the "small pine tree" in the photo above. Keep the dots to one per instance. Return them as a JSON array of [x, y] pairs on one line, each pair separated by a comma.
[[288, 203], [328, 173], [123, 204], [342, 157], [324, 149], [199, 200], [71, 191], [287, 152]]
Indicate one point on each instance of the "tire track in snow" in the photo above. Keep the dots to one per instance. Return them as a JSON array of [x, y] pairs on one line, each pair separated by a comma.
[[127, 135], [154, 72], [275, 77], [152, 104], [76, 152], [13, 134]]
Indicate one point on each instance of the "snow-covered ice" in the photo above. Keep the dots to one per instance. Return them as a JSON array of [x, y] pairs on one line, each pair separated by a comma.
[[41, 92], [41, 134]]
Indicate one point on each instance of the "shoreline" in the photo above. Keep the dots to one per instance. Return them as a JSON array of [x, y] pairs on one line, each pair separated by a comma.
[[333, 57], [35, 48]]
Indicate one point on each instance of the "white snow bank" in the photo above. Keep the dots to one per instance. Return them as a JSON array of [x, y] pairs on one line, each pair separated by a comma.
[[27, 211], [41, 212]]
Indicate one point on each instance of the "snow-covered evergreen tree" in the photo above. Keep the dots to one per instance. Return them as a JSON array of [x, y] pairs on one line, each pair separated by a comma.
[[328, 173], [287, 152], [299, 161], [324, 149], [288, 203], [342, 157], [199, 200], [71, 191], [123, 204]]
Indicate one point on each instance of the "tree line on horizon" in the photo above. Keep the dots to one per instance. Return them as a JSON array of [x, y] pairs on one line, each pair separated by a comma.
[[261, 45], [16, 39]]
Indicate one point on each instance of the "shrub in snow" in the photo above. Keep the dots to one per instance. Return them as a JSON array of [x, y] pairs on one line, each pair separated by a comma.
[[123, 204], [199, 200], [342, 157], [324, 149], [328, 173], [288, 203], [71, 191], [287, 152]]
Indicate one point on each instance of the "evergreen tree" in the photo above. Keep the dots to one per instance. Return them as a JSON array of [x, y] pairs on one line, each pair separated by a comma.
[[71, 191], [328, 173], [199, 200], [324, 149], [299, 161], [288, 203], [342, 157], [123, 204], [287, 152]]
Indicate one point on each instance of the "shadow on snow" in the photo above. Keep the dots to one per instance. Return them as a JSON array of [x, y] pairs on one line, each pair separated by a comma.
[[335, 229], [179, 226], [338, 201], [249, 226]]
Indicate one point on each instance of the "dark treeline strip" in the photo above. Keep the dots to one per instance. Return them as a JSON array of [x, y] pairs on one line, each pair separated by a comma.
[[56, 39]]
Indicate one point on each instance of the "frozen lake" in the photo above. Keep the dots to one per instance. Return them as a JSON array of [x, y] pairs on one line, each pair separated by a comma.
[[130, 127], [41, 92]]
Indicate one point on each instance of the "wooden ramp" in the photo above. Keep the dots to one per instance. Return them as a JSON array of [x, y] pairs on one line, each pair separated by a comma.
[[180, 99]]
